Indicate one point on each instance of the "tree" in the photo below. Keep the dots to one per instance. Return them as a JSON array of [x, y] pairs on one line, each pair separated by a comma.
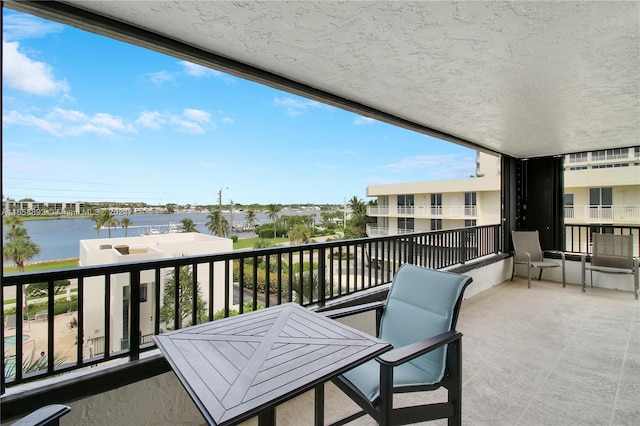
[[185, 298], [12, 221], [272, 213], [300, 234], [358, 221], [18, 248], [188, 225], [217, 224], [99, 221], [109, 221], [42, 289], [251, 219], [125, 222]]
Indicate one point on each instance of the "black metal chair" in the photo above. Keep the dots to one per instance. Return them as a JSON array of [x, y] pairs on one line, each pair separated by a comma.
[[49, 415], [419, 319]]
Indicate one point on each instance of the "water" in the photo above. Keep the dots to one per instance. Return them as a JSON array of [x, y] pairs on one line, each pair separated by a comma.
[[59, 238]]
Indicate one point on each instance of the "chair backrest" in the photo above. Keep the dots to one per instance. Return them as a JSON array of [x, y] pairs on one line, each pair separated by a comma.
[[527, 241], [422, 303], [614, 251]]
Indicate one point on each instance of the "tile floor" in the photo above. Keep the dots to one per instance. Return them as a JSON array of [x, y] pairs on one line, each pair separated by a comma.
[[541, 356]]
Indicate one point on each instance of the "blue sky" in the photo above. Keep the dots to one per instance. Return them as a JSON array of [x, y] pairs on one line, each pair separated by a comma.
[[92, 119]]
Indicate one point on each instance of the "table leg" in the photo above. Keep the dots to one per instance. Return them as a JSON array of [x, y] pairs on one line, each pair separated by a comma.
[[319, 405], [268, 418]]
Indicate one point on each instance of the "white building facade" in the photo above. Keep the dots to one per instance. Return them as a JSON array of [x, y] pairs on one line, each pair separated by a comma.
[[601, 187], [106, 251]]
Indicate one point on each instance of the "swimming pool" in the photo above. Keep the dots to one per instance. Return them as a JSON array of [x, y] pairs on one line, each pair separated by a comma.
[[11, 340]]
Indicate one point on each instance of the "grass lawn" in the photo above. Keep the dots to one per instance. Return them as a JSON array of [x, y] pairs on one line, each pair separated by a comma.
[[43, 266], [245, 243]]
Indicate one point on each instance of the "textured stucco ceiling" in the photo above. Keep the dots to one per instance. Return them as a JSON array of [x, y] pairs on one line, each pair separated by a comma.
[[525, 79]]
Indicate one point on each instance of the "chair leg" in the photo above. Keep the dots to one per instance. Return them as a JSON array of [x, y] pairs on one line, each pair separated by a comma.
[[529, 277], [455, 390], [540, 274], [513, 268]]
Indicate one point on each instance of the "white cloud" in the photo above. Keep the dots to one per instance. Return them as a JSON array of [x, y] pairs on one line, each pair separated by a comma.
[[186, 126], [436, 166], [22, 73], [150, 119], [15, 117], [18, 26], [360, 120], [197, 115], [227, 120], [161, 77], [198, 71], [296, 107], [61, 122]]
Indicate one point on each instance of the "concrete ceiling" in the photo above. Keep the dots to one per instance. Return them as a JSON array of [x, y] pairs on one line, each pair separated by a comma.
[[525, 78]]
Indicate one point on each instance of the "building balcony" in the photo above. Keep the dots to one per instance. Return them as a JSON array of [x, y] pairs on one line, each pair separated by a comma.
[[620, 215], [425, 212]]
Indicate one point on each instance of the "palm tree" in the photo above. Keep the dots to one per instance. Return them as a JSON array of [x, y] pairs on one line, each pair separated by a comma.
[[19, 247], [217, 224], [99, 221], [272, 213], [358, 221], [251, 219], [125, 223], [12, 221], [109, 221], [188, 225]]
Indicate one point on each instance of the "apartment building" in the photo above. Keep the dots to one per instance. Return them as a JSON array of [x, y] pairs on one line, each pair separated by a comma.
[[39, 208], [106, 251], [600, 188]]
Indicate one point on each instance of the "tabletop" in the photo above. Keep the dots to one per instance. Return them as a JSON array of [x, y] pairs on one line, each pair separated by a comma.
[[238, 367]]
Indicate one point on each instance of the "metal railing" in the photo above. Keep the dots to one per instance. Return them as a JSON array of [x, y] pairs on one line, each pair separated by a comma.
[[111, 310], [578, 237]]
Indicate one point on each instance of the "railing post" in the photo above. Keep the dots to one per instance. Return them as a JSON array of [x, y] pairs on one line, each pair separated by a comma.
[[134, 307], [322, 291]]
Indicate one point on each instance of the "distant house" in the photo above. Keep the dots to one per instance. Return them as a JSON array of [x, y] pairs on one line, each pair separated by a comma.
[[105, 251]]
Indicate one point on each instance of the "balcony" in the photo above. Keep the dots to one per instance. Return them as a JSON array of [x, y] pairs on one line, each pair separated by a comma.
[[620, 215], [439, 212], [539, 356]]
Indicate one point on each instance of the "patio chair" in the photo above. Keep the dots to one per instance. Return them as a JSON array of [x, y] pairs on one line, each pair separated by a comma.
[[10, 321], [612, 254], [528, 252], [418, 319]]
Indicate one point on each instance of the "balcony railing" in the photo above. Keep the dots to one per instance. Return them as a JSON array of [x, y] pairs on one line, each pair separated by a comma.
[[441, 212], [578, 237], [603, 214], [116, 309]]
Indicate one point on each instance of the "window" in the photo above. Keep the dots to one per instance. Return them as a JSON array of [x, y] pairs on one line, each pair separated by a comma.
[[580, 157], [610, 154], [436, 224], [600, 202], [143, 292], [578, 168], [405, 204], [469, 222], [406, 224], [470, 203], [436, 204], [569, 212]]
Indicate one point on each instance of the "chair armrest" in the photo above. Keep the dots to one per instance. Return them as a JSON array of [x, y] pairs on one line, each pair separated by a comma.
[[561, 253], [523, 253], [401, 355], [49, 414], [352, 310]]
